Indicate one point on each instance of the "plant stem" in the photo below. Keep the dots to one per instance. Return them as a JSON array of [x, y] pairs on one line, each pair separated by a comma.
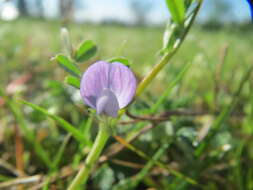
[[144, 83], [165, 59], [91, 159]]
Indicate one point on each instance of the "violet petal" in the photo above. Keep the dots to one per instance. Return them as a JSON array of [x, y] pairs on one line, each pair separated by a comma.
[[123, 83], [107, 103], [108, 87], [93, 82]]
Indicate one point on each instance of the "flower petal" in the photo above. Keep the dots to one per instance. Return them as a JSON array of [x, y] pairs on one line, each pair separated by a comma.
[[122, 82], [93, 82], [107, 104]]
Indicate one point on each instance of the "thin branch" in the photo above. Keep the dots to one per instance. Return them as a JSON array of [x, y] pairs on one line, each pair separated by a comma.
[[64, 173], [10, 168], [127, 164], [165, 116], [23, 180], [19, 150], [218, 73]]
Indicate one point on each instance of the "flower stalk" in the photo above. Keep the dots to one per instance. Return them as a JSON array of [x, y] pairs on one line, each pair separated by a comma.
[[84, 172]]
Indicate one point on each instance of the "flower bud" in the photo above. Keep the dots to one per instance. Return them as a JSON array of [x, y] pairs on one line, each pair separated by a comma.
[[66, 42]]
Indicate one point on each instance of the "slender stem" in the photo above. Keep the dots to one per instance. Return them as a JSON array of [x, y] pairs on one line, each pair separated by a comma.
[[144, 83], [165, 59], [91, 159]]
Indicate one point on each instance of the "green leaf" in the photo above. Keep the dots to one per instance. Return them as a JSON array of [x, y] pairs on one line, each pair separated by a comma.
[[104, 177], [86, 50], [188, 3], [73, 81], [122, 60], [59, 155], [63, 123], [68, 65], [171, 37], [177, 10]]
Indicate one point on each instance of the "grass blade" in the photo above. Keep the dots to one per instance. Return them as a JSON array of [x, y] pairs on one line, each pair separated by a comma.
[[59, 154], [158, 163], [170, 88], [29, 136], [225, 113], [133, 182], [63, 123]]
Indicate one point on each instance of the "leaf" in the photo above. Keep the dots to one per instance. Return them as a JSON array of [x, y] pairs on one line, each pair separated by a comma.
[[157, 162], [188, 3], [177, 10], [104, 177], [59, 154], [63, 123], [171, 37], [68, 65], [86, 50], [73, 81], [29, 135], [122, 60]]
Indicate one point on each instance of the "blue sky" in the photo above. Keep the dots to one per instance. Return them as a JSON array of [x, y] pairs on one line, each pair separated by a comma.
[[240, 9], [98, 10]]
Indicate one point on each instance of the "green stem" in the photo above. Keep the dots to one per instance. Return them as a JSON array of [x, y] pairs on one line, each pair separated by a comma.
[[91, 159], [165, 59], [144, 83]]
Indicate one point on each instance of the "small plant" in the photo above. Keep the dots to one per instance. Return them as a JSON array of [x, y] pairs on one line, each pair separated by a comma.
[[110, 87], [107, 110]]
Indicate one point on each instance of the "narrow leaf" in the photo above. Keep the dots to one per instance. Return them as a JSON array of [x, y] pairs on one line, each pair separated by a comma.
[[29, 135], [133, 182], [86, 51], [73, 81], [157, 162], [177, 10], [59, 155], [224, 115], [122, 60], [63, 123], [170, 87], [68, 65]]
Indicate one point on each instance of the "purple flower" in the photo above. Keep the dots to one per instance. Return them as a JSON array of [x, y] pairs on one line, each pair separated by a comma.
[[108, 87]]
